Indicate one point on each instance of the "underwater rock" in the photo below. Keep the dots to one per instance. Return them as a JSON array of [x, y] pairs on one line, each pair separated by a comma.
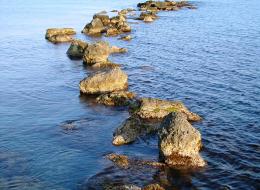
[[179, 142], [105, 82], [131, 129]]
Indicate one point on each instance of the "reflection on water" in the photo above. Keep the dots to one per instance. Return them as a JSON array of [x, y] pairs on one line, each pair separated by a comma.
[[53, 138]]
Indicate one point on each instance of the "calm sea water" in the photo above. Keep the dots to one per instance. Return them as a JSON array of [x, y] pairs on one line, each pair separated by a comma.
[[208, 58]]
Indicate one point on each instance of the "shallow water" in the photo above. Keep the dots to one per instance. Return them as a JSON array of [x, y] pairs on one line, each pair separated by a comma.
[[208, 58]]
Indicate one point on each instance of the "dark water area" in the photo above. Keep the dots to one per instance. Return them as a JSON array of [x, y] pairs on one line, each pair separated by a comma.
[[208, 58]]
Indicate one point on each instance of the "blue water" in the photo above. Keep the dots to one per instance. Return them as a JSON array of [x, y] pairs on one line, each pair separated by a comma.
[[208, 58]]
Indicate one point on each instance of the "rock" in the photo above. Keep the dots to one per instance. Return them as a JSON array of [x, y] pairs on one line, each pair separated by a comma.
[[163, 6], [112, 31], [125, 187], [96, 53], [126, 38], [105, 82], [95, 27], [115, 49], [60, 38], [120, 98], [59, 31], [103, 17], [153, 187], [148, 16], [152, 108], [131, 129], [76, 49], [179, 142], [122, 161]]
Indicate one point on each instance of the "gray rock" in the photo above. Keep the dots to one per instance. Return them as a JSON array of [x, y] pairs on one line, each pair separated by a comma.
[[105, 82], [179, 142], [76, 49]]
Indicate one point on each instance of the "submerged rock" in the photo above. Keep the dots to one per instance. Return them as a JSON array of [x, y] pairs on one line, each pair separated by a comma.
[[131, 129], [126, 38], [153, 187], [59, 35], [76, 49], [120, 98], [125, 162], [105, 82], [152, 108], [179, 142]]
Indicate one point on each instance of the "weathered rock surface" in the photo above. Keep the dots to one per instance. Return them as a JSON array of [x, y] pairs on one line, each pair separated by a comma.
[[96, 53], [59, 35], [152, 108], [179, 142], [153, 187], [131, 129], [163, 5], [76, 49], [120, 98], [114, 26], [95, 27], [126, 38], [105, 82], [115, 49], [125, 162], [148, 16]]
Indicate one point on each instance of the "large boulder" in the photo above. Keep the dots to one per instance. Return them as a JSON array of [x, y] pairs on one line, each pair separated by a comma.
[[152, 108], [131, 129], [76, 49], [120, 98], [95, 27], [105, 82], [59, 35], [96, 53], [179, 142]]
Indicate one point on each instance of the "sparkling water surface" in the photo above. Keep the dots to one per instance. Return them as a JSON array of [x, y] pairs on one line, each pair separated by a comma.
[[208, 58]]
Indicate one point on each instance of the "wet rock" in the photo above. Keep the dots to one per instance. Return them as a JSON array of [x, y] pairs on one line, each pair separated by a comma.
[[114, 26], [148, 16], [120, 98], [94, 28], [105, 82], [58, 35], [179, 142], [131, 129], [152, 108], [126, 38], [76, 49], [103, 17], [96, 53], [115, 49], [123, 161], [60, 39], [153, 187], [163, 5]]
